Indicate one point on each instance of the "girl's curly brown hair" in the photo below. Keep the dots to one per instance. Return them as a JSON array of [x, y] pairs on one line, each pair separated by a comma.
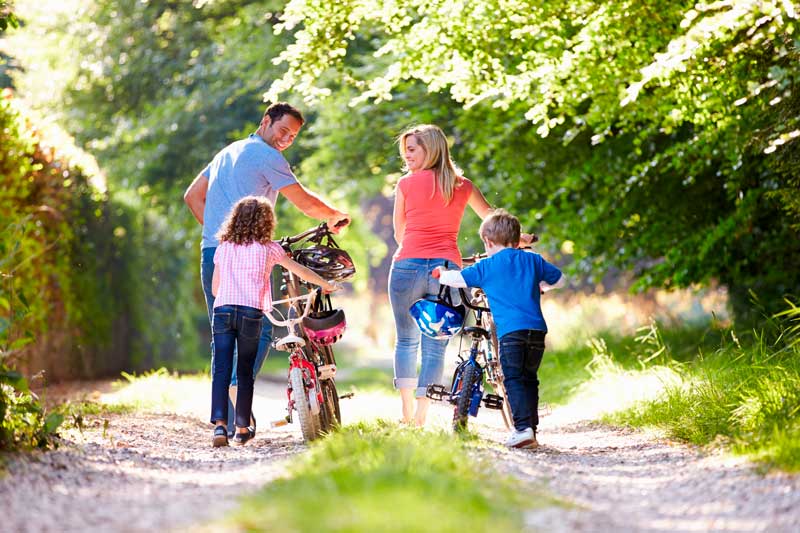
[[251, 220]]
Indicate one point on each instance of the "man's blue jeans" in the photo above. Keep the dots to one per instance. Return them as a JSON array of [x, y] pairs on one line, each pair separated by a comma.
[[520, 356], [234, 327], [206, 275], [410, 280]]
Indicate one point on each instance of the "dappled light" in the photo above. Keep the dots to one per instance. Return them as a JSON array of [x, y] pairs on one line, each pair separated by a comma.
[[651, 146]]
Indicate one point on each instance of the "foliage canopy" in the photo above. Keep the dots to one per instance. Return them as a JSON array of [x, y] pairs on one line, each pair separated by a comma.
[[658, 136]]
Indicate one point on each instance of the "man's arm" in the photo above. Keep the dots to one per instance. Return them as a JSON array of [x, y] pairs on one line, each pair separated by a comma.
[[313, 206], [195, 196]]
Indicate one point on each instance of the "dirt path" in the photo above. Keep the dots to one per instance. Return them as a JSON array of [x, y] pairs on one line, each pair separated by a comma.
[[157, 472]]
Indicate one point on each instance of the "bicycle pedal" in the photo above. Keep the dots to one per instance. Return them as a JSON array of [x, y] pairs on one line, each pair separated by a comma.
[[493, 401], [279, 423], [437, 392], [346, 396]]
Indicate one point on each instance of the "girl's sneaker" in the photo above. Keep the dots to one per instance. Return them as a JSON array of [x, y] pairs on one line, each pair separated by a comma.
[[522, 439], [220, 437], [240, 439]]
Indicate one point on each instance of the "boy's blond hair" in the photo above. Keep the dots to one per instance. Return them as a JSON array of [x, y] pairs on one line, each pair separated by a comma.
[[501, 227]]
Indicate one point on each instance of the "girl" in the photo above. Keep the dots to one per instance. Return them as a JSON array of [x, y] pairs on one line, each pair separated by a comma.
[[241, 286]]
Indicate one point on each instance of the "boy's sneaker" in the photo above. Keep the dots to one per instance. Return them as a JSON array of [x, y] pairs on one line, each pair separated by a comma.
[[522, 439]]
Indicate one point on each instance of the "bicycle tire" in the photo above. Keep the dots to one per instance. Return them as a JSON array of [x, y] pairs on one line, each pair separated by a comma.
[[461, 411], [302, 405], [330, 416], [498, 385]]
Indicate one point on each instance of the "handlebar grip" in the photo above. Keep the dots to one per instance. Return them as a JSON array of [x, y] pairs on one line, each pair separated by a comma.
[[436, 273]]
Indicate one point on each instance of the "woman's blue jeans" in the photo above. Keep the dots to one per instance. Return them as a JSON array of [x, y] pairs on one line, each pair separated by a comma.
[[234, 326], [410, 280], [520, 356]]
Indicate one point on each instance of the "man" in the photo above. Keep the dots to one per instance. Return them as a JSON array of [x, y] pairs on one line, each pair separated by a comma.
[[252, 166]]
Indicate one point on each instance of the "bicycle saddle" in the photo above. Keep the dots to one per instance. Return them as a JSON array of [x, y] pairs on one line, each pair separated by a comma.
[[475, 331]]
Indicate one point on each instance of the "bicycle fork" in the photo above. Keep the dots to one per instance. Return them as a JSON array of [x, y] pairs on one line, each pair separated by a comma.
[[310, 382]]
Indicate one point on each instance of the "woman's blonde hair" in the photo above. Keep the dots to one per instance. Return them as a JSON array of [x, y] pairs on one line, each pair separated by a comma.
[[251, 220], [437, 156]]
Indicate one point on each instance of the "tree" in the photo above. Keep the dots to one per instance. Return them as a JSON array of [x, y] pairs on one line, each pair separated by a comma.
[[658, 136]]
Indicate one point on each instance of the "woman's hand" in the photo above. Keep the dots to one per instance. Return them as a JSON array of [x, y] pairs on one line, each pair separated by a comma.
[[526, 239]]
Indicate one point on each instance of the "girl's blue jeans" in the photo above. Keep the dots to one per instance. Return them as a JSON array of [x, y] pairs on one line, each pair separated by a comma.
[[206, 275], [234, 326], [410, 280]]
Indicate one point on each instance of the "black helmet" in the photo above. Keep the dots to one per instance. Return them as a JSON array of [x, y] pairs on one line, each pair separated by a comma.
[[327, 260]]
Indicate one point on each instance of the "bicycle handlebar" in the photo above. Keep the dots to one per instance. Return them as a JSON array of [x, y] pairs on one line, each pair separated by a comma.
[[308, 297], [474, 258], [316, 232], [466, 300]]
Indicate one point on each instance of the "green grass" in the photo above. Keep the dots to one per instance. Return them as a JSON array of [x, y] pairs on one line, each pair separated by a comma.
[[699, 384], [379, 477], [566, 372], [745, 397]]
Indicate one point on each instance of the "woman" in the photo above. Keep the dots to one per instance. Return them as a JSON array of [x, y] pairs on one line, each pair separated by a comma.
[[429, 204]]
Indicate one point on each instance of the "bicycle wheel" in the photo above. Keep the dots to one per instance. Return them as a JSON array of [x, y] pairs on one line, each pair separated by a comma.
[[330, 416], [308, 420], [497, 370], [500, 390], [330, 396], [469, 378]]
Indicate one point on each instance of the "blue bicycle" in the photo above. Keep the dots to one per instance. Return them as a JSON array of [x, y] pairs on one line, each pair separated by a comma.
[[481, 365]]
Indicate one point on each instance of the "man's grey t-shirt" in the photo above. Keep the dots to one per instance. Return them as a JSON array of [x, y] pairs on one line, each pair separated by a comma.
[[244, 168]]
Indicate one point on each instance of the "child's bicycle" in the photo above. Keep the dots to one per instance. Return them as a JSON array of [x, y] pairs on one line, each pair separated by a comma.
[[312, 326], [482, 359]]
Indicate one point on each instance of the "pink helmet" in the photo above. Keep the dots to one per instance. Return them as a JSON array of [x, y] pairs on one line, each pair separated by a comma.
[[325, 327]]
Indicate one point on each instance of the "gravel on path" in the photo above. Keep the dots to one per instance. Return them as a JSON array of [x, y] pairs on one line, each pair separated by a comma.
[[158, 472]]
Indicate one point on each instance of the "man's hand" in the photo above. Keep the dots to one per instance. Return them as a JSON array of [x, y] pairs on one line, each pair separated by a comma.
[[338, 222]]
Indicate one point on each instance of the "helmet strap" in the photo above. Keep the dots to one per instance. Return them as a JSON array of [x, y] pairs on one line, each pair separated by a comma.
[[444, 290]]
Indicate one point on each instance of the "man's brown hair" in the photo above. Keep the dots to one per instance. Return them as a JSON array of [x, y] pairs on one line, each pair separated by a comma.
[[501, 227], [251, 220], [278, 109]]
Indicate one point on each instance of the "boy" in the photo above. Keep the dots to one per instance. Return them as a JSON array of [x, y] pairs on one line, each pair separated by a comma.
[[513, 281]]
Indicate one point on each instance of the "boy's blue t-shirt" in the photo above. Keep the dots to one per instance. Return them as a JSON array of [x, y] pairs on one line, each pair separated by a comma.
[[510, 278], [243, 168]]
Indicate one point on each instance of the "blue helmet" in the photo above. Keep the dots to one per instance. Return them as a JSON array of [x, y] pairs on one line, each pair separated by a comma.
[[437, 318]]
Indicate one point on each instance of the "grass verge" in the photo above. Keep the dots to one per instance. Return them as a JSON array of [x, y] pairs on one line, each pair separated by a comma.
[[745, 397], [702, 385], [379, 477]]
